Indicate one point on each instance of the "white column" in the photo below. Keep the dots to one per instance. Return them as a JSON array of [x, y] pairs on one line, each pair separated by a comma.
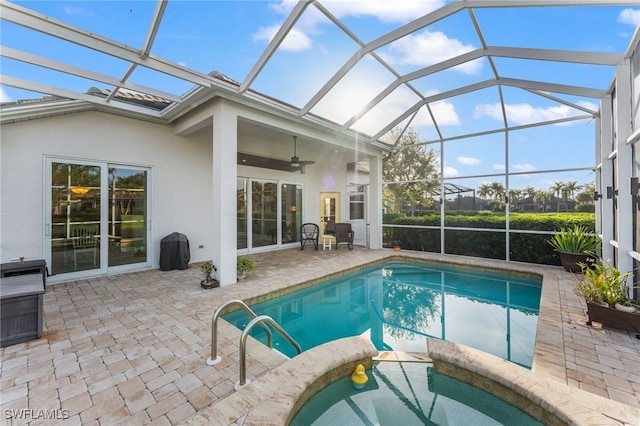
[[225, 174], [624, 221], [605, 205], [374, 209]]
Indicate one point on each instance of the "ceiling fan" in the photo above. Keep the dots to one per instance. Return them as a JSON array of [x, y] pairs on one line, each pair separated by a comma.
[[295, 161]]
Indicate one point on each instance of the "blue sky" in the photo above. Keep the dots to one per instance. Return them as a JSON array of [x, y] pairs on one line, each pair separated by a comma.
[[229, 37]]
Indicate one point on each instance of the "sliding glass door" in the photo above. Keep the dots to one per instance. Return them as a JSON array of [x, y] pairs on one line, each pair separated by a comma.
[[127, 230], [269, 213], [97, 216]]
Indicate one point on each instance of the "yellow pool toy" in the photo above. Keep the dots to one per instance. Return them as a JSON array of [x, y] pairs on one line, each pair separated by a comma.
[[359, 377]]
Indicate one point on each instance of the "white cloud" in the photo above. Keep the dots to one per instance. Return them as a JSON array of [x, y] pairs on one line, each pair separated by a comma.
[[294, 42], [523, 167], [4, 97], [519, 114], [384, 10], [392, 107], [516, 167], [428, 48], [469, 161], [70, 10], [445, 113], [450, 171], [630, 16]]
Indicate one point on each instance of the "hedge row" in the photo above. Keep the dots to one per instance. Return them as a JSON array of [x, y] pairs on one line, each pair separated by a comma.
[[530, 248]]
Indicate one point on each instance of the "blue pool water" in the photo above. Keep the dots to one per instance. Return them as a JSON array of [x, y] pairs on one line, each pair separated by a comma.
[[397, 304], [400, 393]]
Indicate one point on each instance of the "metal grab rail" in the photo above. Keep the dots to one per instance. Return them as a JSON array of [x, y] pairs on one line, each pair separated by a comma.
[[243, 344], [214, 328]]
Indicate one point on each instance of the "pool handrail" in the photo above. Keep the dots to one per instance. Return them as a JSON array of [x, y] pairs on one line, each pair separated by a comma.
[[214, 358], [243, 344]]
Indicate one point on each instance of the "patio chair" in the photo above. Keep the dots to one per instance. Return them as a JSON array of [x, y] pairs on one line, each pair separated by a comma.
[[330, 228], [344, 234], [309, 232], [85, 245]]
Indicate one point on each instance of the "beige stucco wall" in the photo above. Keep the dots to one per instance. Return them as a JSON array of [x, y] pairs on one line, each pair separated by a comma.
[[180, 159], [180, 175]]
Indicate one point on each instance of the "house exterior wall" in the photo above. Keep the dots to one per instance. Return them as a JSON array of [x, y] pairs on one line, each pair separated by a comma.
[[180, 180]]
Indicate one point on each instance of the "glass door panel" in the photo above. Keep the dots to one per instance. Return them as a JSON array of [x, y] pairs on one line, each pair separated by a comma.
[[329, 209], [242, 212], [127, 230], [291, 212], [75, 217], [264, 206]]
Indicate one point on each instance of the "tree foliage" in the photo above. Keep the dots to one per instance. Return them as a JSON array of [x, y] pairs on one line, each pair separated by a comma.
[[411, 173]]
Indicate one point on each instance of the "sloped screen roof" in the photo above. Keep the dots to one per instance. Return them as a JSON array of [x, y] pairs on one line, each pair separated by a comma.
[[447, 69]]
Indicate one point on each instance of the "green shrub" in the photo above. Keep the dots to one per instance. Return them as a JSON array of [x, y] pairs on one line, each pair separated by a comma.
[[423, 233], [575, 240]]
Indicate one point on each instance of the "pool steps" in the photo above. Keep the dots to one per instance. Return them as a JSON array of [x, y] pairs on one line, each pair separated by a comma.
[[274, 398], [255, 320]]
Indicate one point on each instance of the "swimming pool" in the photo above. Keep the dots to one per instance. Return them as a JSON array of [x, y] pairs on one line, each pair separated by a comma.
[[401, 393], [397, 304]]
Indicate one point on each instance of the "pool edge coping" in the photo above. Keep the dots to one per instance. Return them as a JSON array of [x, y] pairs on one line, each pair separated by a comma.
[[517, 386], [548, 361]]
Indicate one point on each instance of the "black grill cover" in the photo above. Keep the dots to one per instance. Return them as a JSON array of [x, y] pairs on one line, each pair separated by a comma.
[[174, 252]]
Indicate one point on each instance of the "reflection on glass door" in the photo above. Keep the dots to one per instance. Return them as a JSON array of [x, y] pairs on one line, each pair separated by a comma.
[[264, 213], [75, 217], [329, 209], [98, 217], [291, 212], [127, 234], [241, 191]]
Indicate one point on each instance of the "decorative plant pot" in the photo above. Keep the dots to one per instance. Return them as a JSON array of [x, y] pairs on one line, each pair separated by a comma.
[[610, 317], [570, 260], [396, 248], [623, 308], [210, 284], [242, 275]]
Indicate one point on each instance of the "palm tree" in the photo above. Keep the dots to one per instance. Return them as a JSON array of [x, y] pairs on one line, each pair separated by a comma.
[[498, 191], [485, 190], [557, 189], [515, 195], [572, 188], [542, 197], [529, 191]]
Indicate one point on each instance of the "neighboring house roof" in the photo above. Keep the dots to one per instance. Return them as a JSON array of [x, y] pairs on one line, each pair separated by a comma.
[[153, 102]]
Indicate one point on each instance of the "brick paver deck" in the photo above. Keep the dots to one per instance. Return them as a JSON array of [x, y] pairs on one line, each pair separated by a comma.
[[132, 348]]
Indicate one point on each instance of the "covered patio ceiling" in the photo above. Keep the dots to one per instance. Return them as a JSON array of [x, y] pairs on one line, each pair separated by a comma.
[[353, 67]]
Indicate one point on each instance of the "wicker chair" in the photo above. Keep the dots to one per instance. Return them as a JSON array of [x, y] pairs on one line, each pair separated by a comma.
[[343, 234], [309, 232]]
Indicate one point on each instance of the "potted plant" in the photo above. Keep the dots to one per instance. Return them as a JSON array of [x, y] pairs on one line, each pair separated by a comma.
[[605, 290], [208, 282], [575, 245], [396, 245], [243, 266]]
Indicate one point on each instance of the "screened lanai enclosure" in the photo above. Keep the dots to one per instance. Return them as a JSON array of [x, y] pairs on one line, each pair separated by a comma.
[[470, 127]]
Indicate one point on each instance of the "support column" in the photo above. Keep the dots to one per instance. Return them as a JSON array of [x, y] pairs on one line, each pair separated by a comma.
[[605, 176], [374, 209], [225, 175], [624, 169]]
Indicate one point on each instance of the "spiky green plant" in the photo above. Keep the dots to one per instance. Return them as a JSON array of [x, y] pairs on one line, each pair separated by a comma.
[[575, 240], [602, 283]]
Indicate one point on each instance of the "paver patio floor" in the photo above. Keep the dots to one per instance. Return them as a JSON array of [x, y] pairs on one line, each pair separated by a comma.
[[132, 348]]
